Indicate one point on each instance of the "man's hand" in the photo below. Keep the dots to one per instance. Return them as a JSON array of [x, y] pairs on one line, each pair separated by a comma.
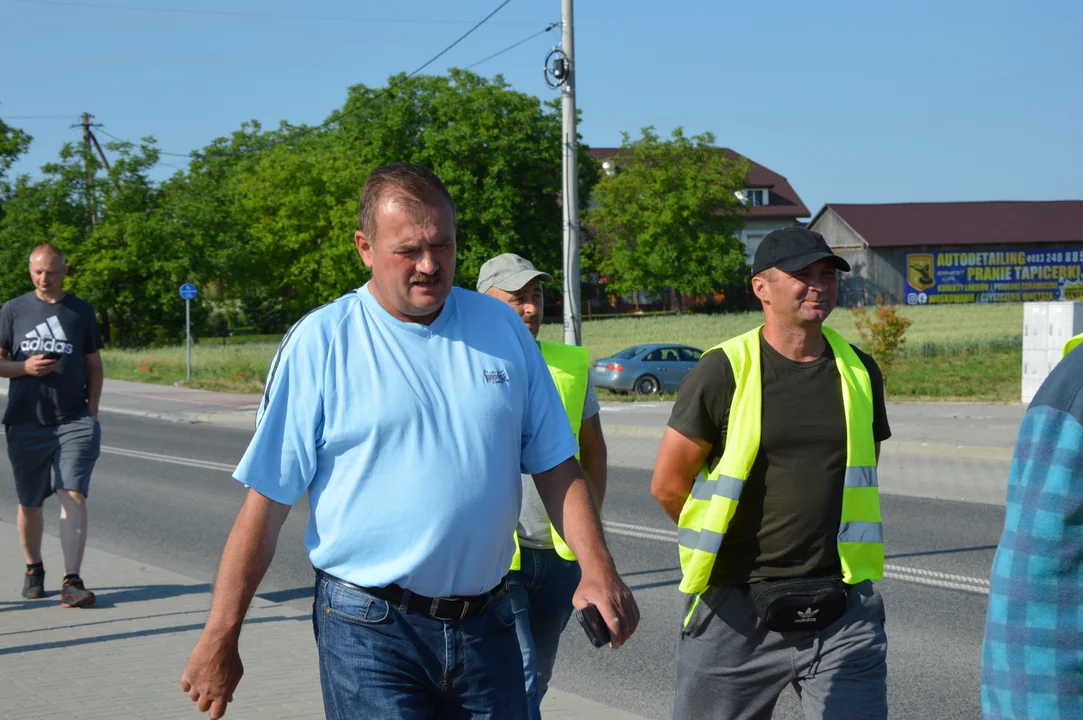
[[608, 593], [213, 672], [38, 366]]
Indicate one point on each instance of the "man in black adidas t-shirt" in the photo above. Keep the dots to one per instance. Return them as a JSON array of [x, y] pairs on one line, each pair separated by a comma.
[[49, 345], [730, 663]]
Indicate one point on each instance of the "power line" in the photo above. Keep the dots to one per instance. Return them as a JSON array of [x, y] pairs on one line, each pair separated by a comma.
[[465, 35], [270, 16], [341, 114], [335, 117], [160, 152], [512, 47]]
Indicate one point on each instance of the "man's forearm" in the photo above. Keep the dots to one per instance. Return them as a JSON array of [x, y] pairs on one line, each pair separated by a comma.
[[596, 467], [245, 559], [12, 368], [567, 499]]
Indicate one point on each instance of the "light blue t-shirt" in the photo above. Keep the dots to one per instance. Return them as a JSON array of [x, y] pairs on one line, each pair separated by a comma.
[[410, 440]]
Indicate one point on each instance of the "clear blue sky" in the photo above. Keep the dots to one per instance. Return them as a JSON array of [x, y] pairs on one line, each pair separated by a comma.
[[852, 101]]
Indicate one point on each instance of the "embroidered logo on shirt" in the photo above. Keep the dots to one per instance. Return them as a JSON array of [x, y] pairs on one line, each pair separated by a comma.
[[496, 377]]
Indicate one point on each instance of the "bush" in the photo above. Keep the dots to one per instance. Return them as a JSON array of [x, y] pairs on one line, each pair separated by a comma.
[[883, 333]]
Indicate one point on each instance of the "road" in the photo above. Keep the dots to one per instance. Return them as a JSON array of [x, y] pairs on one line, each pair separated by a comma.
[[162, 495]]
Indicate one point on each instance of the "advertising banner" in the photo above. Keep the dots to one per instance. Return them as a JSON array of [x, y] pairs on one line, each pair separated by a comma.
[[1012, 275]]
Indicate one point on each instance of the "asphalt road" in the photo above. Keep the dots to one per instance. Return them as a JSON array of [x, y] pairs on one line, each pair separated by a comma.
[[162, 494]]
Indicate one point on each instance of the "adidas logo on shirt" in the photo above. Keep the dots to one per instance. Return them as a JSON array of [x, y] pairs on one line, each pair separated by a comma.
[[47, 337]]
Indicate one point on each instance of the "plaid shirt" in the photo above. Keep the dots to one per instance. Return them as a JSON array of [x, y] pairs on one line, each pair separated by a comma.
[[1032, 655]]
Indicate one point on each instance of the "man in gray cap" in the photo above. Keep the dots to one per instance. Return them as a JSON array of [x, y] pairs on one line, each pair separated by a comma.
[[544, 570]]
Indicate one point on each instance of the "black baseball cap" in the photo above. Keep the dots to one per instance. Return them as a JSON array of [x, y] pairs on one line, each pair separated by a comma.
[[792, 249]]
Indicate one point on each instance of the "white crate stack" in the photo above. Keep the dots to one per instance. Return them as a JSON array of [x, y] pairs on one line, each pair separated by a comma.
[[1046, 327]]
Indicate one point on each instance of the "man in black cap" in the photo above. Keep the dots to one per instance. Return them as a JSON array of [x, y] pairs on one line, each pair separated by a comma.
[[768, 467]]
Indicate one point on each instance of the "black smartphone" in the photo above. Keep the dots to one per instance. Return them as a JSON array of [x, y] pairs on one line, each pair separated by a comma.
[[593, 625], [52, 356]]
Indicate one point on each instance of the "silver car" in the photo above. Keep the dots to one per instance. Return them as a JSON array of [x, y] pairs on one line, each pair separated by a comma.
[[645, 369]]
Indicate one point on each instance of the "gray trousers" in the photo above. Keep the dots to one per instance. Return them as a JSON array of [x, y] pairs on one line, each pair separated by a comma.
[[730, 667]]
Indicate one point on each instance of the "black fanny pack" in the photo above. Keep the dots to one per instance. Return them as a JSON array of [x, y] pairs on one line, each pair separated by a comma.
[[798, 604]]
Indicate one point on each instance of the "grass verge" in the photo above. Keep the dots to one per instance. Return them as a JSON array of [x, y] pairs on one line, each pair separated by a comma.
[[968, 352]]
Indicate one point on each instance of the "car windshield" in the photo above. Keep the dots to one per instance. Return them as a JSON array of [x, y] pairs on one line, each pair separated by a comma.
[[629, 353]]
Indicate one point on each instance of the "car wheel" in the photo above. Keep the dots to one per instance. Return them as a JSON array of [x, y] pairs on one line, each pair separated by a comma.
[[647, 385]]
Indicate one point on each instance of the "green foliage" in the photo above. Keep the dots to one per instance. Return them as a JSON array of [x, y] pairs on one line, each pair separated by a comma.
[[263, 221], [883, 333], [669, 217], [13, 143]]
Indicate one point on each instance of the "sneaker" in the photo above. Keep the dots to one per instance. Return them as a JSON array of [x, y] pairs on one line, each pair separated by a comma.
[[34, 583], [75, 595]]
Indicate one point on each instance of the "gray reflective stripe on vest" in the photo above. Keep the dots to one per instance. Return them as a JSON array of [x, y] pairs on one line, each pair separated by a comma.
[[861, 477], [706, 540], [725, 486], [864, 532]]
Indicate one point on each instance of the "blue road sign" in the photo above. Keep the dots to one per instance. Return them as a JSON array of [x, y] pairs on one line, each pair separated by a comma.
[[188, 291]]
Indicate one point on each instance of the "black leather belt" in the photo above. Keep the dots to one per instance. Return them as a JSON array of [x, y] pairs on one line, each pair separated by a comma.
[[455, 608]]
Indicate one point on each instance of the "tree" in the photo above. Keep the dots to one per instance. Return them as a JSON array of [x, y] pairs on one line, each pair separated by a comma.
[[49, 210], [670, 216], [498, 151], [13, 143], [263, 221]]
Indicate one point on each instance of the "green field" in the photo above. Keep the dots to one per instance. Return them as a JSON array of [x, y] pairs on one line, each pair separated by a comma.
[[961, 351]]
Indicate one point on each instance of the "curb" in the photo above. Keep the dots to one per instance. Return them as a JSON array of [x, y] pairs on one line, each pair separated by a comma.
[[231, 418], [246, 420]]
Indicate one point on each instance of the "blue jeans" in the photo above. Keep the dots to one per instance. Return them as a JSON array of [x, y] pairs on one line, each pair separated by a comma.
[[379, 660], [541, 594]]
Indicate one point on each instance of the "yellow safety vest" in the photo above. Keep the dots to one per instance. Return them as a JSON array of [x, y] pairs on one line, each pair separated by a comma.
[[570, 367], [709, 509], [1072, 342]]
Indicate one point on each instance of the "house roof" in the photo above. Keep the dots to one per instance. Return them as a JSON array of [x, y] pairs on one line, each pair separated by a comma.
[[782, 202], [963, 223]]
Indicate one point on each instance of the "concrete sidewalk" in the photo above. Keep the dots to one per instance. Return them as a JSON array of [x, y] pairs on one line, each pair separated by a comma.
[[123, 657]]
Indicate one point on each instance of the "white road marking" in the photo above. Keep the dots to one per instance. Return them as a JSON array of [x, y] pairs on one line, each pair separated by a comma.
[[171, 459], [643, 532]]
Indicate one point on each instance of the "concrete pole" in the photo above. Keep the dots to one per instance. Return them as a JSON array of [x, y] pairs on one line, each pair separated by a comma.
[[572, 313]]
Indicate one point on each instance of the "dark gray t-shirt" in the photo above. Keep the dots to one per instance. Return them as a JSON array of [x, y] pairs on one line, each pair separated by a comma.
[[30, 326]]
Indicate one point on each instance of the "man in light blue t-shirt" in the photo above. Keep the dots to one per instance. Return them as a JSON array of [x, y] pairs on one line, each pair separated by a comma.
[[407, 411]]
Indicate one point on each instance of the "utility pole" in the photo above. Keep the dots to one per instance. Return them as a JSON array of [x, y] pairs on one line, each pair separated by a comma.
[[87, 151], [90, 143], [572, 315]]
